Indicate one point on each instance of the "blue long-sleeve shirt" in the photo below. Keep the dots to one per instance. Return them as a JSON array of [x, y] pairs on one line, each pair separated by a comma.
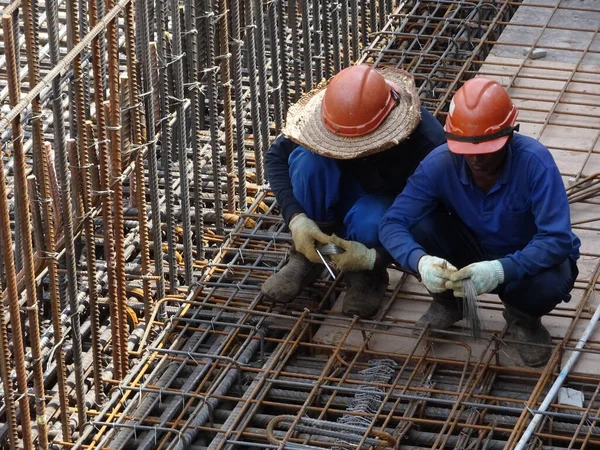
[[385, 172], [523, 221]]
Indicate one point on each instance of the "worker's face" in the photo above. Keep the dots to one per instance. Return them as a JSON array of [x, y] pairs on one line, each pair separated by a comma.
[[486, 164]]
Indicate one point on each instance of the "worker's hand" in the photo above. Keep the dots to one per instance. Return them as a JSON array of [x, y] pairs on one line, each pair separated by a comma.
[[356, 256], [435, 273], [306, 234], [485, 275]]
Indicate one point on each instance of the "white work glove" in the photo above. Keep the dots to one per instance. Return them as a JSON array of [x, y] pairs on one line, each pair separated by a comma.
[[356, 256], [435, 273], [485, 275], [306, 234]]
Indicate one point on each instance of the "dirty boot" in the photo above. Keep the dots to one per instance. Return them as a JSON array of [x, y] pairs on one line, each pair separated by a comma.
[[365, 291], [528, 329], [285, 285], [441, 314]]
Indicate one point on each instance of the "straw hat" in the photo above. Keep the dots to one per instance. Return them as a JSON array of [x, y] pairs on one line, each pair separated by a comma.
[[304, 124]]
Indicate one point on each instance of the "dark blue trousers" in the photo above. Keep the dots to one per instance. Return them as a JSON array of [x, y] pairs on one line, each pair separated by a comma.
[[444, 235], [329, 195]]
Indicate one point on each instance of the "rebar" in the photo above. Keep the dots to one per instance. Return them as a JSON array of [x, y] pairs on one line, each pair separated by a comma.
[[26, 233], [5, 359]]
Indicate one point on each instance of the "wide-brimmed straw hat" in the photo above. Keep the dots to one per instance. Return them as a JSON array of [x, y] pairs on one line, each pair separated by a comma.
[[305, 126]]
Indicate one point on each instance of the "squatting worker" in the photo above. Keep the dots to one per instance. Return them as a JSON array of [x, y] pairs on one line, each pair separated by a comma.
[[347, 150], [490, 202]]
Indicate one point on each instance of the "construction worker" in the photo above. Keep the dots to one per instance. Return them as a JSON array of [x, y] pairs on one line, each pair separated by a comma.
[[489, 205], [346, 151]]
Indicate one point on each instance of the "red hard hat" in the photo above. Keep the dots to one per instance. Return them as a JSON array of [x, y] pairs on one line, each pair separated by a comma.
[[357, 101], [481, 118]]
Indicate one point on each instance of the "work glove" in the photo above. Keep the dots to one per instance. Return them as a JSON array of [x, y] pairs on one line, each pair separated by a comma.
[[435, 273], [306, 234], [356, 256], [485, 275]]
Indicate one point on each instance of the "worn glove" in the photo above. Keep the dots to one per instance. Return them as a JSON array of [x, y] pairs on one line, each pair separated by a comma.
[[435, 273], [356, 256], [485, 275], [306, 233]]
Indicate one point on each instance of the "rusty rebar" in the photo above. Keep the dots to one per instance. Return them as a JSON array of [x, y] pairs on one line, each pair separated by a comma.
[[83, 168], [5, 360], [148, 98], [136, 146], [26, 233], [107, 204], [9, 261], [30, 16], [116, 184]]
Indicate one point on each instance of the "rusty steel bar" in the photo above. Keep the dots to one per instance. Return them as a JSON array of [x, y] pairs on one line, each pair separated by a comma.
[[107, 204], [275, 69], [116, 183], [10, 270], [30, 18], [83, 169], [26, 232], [308, 49], [5, 359]]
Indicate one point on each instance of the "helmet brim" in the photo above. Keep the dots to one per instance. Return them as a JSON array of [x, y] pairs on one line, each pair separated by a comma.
[[468, 148], [305, 126]]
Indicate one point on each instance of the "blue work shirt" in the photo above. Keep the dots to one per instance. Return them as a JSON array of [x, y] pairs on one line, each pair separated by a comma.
[[523, 221]]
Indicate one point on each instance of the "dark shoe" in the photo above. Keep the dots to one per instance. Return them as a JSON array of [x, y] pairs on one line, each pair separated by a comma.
[[285, 285], [365, 291], [441, 314], [529, 330]]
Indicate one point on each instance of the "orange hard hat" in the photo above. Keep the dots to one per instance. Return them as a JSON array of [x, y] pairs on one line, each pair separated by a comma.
[[481, 118], [357, 101]]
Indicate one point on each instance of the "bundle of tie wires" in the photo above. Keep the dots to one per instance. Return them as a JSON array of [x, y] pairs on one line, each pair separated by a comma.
[[470, 308]]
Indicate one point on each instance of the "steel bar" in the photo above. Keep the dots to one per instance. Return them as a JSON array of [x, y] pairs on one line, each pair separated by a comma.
[[5, 359], [26, 232]]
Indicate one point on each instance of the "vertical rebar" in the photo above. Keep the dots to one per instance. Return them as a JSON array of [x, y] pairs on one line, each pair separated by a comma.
[[116, 181], [275, 69], [254, 101], [364, 31], [165, 139], [65, 193], [317, 34], [148, 95], [345, 33], [238, 92], [335, 36], [382, 13], [196, 110], [140, 181], [84, 170], [293, 24], [23, 209], [372, 16], [5, 366], [213, 112], [262, 75], [283, 54], [225, 71], [30, 15], [308, 54], [107, 215], [181, 143], [326, 38], [354, 31]]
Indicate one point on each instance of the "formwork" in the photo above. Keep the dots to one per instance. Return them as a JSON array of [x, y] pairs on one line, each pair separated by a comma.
[[137, 227]]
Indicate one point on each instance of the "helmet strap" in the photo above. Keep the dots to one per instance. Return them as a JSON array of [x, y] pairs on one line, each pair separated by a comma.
[[506, 131]]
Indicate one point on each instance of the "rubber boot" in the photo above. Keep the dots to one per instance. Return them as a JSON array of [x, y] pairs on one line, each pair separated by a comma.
[[298, 273], [365, 291], [441, 314], [529, 330]]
